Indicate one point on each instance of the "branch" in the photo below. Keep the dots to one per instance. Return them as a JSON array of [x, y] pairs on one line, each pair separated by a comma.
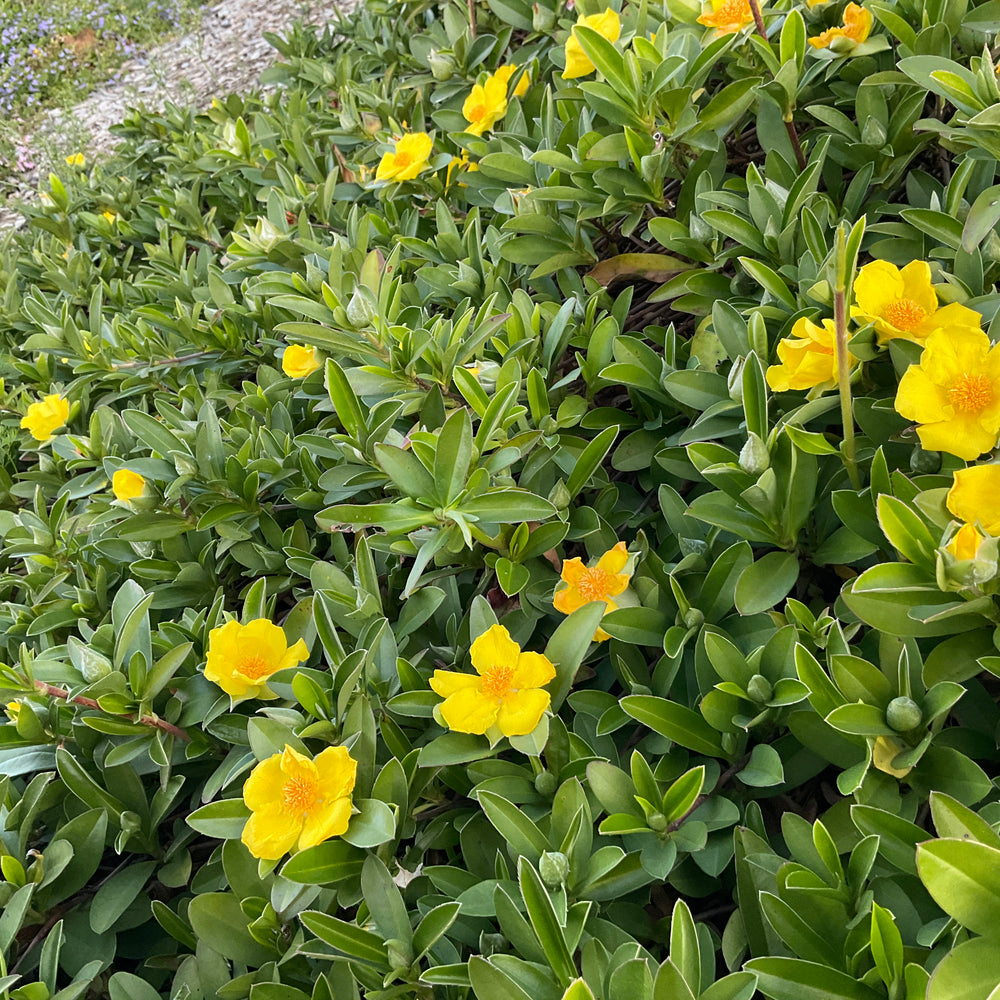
[[145, 720]]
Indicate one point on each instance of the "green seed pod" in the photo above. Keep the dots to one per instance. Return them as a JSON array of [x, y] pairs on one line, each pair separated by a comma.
[[903, 714], [546, 784]]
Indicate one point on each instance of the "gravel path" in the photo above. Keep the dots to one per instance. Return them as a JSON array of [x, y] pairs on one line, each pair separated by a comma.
[[225, 54]]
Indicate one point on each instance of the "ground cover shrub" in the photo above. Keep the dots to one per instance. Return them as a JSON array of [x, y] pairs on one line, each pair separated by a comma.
[[512, 513]]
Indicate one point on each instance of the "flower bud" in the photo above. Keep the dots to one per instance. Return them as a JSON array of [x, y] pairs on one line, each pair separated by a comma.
[[969, 559], [543, 19], [903, 714], [442, 65], [754, 456], [657, 822], [546, 784], [553, 867], [399, 954], [924, 461], [693, 618], [359, 310], [734, 380], [760, 689], [491, 944], [559, 496], [370, 123]]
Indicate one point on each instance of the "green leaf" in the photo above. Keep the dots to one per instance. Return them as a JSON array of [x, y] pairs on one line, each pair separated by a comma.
[[372, 825], [355, 942], [956, 821], [452, 457], [795, 979], [224, 819], [125, 986], [543, 918], [117, 894], [964, 878], [898, 837], [765, 582], [405, 470], [907, 532], [345, 402], [330, 862], [569, 645], [489, 983], [218, 921], [970, 971], [590, 459], [764, 768], [432, 927], [677, 722], [522, 836]]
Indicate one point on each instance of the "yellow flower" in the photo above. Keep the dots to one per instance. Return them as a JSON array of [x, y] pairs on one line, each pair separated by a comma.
[[601, 582], [76, 160], [953, 394], [507, 691], [857, 27], [965, 542], [299, 361], [903, 303], [485, 105], [578, 63], [44, 418], [973, 497], [504, 73], [728, 16], [807, 358], [408, 158], [298, 802], [884, 751], [242, 657], [109, 215], [13, 707], [127, 485]]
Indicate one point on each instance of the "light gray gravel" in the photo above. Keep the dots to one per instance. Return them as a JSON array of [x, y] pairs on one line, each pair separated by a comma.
[[225, 54]]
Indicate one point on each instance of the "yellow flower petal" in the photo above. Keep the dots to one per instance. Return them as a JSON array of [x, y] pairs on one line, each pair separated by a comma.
[[264, 785], [568, 599], [271, 833], [44, 418], [608, 24], [494, 648], [469, 711], [299, 361], [337, 771], [973, 497], [127, 485], [447, 682], [808, 358], [965, 542], [330, 821], [408, 158], [241, 657], [614, 560], [521, 711], [533, 670]]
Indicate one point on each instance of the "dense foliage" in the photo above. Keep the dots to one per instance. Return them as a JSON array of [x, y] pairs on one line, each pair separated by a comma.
[[511, 513]]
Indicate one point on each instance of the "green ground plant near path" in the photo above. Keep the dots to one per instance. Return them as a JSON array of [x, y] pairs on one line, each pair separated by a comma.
[[512, 513]]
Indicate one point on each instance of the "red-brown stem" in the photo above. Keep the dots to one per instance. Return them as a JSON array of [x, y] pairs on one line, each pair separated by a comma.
[[472, 18], [145, 720], [793, 136]]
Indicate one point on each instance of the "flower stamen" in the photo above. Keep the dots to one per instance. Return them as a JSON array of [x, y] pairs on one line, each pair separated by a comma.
[[904, 314], [594, 583], [971, 393], [496, 681], [254, 666], [300, 795]]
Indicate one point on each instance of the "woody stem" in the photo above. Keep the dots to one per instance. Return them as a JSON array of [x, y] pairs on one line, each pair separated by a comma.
[[145, 720]]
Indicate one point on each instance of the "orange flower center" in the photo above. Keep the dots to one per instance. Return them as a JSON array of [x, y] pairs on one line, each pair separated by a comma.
[[402, 159], [254, 666], [476, 113], [904, 314], [733, 12], [496, 681], [594, 583], [300, 795], [971, 393]]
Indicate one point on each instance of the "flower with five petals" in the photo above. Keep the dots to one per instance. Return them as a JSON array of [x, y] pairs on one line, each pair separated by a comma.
[[507, 690], [242, 657], [602, 582], [485, 105], [808, 359], [903, 303], [953, 394], [857, 27], [298, 802], [408, 158], [727, 16]]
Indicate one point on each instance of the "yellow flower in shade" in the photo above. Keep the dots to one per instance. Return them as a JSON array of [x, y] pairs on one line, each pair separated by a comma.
[[857, 27], [953, 394], [109, 215], [485, 105], [807, 358], [728, 16], [408, 158], [299, 361], [903, 303], [298, 802], [45, 418], [242, 657], [13, 707], [506, 691], [608, 25], [601, 582], [504, 73], [965, 542], [76, 159], [973, 497], [127, 485]]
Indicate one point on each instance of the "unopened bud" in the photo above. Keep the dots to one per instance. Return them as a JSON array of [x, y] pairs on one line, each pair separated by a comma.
[[693, 618], [359, 310], [542, 18], [903, 714], [553, 867], [559, 496], [734, 380], [657, 822], [754, 456], [398, 953], [924, 461], [760, 689], [546, 784], [442, 65]]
